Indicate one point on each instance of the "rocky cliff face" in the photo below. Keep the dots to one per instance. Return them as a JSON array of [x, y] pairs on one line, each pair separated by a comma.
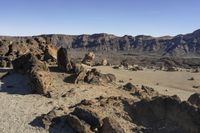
[[179, 45]]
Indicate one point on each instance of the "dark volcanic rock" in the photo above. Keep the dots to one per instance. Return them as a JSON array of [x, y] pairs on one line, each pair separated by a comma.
[[94, 77], [195, 99], [89, 116], [41, 81], [79, 126], [110, 125], [167, 114], [37, 70], [28, 63], [130, 87], [63, 60]]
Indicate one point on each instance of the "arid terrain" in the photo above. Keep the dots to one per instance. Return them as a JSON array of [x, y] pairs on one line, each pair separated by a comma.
[[61, 84]]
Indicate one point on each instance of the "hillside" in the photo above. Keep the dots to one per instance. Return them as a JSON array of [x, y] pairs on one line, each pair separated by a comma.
[[187, 45]]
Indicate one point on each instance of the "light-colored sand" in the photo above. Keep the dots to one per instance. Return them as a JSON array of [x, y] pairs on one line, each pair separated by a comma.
[[169, 83], [18, 108]]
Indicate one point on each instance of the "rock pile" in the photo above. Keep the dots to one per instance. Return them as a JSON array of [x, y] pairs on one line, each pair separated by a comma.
[[90, 118], [94, 77], [119, 115], [141, 92]]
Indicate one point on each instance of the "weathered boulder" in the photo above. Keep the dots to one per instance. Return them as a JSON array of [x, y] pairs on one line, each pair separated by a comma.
[[130, 87], [79, 126], [63, 60], [37, 70], [48, 118], [166, 114], [29, 63], [104, 62], [50, 53], [41, 82], [94, 77], [110, 125], [89, 116], [195, 99], [89, 58]]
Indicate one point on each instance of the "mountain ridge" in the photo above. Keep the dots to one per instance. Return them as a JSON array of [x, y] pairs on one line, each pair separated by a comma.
[[182, 44]]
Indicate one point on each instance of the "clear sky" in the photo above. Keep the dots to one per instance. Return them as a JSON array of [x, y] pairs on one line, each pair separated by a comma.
[[119, 17]]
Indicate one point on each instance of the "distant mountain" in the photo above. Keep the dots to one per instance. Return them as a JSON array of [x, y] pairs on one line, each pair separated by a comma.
[[180, 45]]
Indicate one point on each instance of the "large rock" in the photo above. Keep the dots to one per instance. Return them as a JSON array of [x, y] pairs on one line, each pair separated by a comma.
[[195, 99], [89, 116], [110, 125], [89, 58], [94, 77], [38, 71], [104, 62], [130, 87], [166, 114], [41, 82], [29, 63], [50, 53], [63, 60], [79, 126]]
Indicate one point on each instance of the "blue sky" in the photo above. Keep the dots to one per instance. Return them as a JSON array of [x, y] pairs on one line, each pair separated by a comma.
[[119, 17]]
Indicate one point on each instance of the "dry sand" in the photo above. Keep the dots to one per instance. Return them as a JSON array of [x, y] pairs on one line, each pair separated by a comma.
[[168, 83], [19, 108]]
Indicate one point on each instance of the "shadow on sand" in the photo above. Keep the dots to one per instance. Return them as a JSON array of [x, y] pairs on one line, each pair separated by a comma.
[[15, 83]]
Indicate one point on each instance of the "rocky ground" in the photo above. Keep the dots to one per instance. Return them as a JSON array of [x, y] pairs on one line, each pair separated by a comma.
[[20, 108], [51, 92]]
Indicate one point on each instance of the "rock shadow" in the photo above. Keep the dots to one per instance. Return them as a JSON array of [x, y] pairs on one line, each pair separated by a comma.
[[70, 79], [16, 83]]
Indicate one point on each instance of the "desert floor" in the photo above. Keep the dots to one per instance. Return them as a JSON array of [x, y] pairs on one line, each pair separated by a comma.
[[19, 108]]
